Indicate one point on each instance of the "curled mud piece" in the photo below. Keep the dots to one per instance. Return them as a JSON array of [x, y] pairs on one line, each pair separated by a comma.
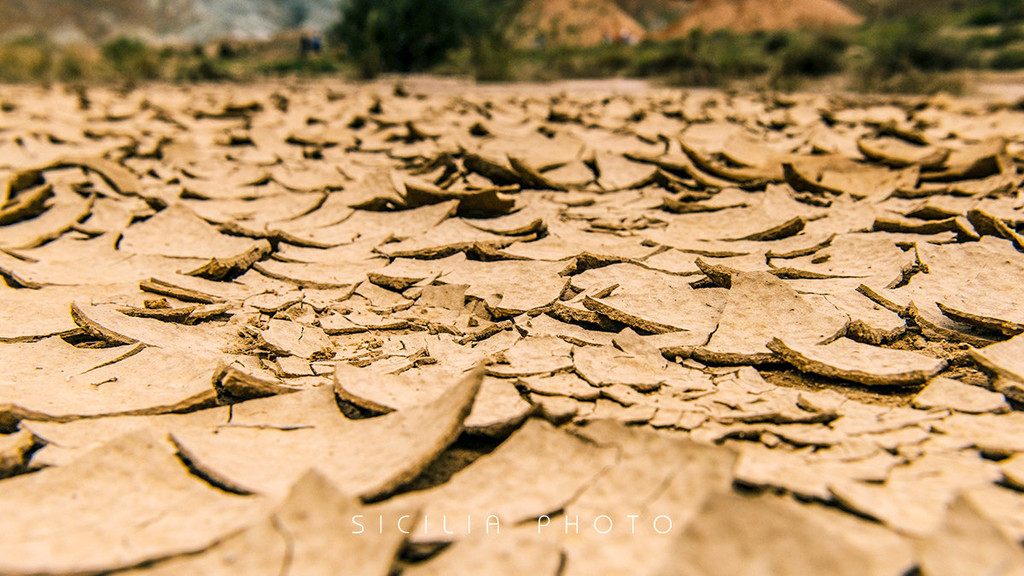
[[852, 361], [271, 442], [899, 154]]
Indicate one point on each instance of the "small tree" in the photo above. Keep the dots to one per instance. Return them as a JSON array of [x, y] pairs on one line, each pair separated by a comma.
[[131, 59], [412, 35], [399, 35]]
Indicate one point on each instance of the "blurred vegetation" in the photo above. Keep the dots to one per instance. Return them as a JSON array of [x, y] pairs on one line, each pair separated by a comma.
[[401, 35], [129, 61], [911, 55], [1010, 59], [900, 50], [132, 59], [995, 13], [25, 60], [418, 35], [806, 56]]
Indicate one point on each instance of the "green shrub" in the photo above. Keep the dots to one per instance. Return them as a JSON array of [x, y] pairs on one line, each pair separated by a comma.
[[226, 51], [25, 60], [985, 16], [71, 67], [777, 41], [1006, 35], [912, 55], [1010, 59], [702, 59], [996, 12], [407, 35], [733, 55], [664, 59], [131, 59], [202, 70], [817, 56], [489, 60]]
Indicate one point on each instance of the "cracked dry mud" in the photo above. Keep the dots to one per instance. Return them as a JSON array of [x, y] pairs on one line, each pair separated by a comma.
[[265, 329]]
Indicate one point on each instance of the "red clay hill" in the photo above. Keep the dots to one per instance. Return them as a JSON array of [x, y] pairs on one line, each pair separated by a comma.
[[573, 23], [543, 23], [750, 15]]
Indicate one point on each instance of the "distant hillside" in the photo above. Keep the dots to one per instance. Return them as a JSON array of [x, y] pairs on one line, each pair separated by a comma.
[[889, 8], [168, 20], [572, 23], [73, 20], [551, 22], [750, 15], [655, 14]]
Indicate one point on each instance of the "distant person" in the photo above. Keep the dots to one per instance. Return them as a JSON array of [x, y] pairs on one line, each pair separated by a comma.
[[315, 44], [305, 45]]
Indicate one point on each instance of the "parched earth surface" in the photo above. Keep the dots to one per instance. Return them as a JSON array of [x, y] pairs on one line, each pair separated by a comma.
[[271, 329]]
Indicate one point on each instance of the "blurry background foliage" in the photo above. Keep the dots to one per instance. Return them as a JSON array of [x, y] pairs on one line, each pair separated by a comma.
[[903, 46]]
